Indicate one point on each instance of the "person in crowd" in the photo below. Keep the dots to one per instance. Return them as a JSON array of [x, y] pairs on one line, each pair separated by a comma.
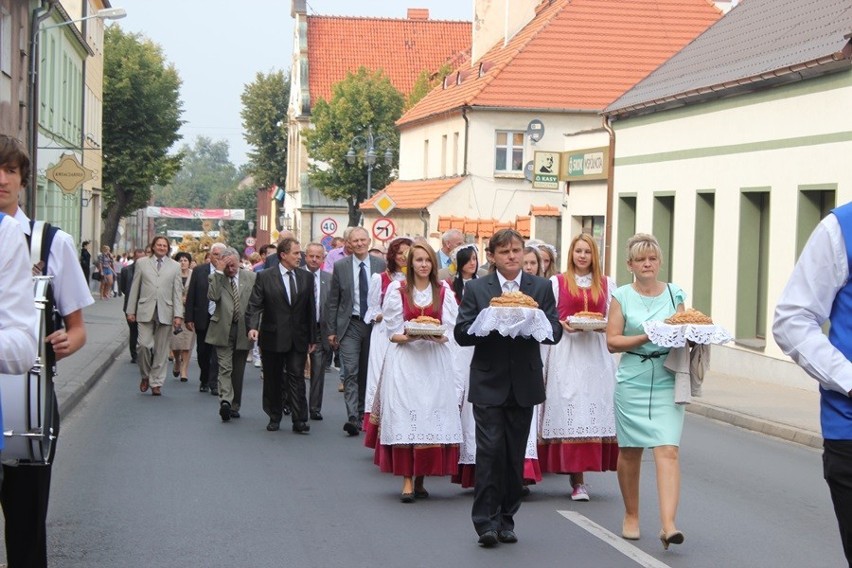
[[549, 266], [339, 249], [229, 289], [466, 262], [346, 321], [198, 312], [420, 397], [106, 266], [156, 304], [646, 415], [272, 261], [124, 282], [263, 253], [286, 333], [181, 344], [17, 309], [578, 419], [819, 291], [532, 263], [449, 240], [118, 265], [506, 382], [86, 260], [26, 489], [377, 252], [321, 356], [450, 273], [395, 259]]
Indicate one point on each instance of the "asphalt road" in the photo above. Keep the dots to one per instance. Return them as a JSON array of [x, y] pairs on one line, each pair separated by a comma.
[[160, 482]]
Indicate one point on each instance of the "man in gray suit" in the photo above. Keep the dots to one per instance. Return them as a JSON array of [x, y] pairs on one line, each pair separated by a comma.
[[321, 357], [156, 304], [230, 289], [347, 303]]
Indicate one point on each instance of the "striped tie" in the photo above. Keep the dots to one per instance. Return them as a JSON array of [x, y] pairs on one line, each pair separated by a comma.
[[235, 294]]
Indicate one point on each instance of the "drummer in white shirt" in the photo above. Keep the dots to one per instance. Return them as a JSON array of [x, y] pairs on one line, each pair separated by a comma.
[[17, 309], [26, 489]]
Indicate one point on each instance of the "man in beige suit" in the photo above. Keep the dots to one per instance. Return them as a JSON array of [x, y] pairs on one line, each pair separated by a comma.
[[156, 305], [230, 289]]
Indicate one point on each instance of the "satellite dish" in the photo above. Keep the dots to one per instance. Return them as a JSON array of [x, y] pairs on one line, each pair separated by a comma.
[[528, 171], [535, 130]]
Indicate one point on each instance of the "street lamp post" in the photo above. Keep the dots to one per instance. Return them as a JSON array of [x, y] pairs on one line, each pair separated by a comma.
[[33, 95], [368, 144]]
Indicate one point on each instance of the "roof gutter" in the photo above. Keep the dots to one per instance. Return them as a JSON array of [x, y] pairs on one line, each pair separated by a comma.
[[794, 72], [466, 138], [449, 112]]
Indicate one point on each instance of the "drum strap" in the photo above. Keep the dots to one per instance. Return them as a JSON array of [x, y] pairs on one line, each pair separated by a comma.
[[40, 246]]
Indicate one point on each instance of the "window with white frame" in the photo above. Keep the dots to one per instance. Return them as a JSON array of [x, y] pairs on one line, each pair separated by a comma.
[[509, 151]]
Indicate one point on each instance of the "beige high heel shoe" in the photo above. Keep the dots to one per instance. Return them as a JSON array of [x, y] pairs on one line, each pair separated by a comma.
[[629, 534], [674, 537]]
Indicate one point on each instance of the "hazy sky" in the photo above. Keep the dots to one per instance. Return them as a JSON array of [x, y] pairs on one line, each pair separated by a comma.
[[218, 47]]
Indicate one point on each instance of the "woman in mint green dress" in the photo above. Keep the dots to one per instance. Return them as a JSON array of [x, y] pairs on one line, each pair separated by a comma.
[[646, 415]]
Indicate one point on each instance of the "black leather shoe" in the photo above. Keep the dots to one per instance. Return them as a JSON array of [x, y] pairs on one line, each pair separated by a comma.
[[407, 498], [316, 415], [351, 429], [273, 426], [488, 539], [225, 410], [301, 427], [214, 391], [509, 537], [203, 388], [235, 414], [286, 410]]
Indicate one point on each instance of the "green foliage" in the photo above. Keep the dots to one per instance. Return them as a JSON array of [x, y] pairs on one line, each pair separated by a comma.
[[264, 115], [206, 173], [141, 110], [426, 81], [363, 99]]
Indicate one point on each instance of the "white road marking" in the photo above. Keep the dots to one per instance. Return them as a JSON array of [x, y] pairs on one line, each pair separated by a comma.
[[615, 541]]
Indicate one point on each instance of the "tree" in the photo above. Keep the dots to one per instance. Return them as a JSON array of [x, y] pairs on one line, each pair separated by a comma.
[[206, 172], [426, 81], [264, 115], [142, 111], [362, 100]]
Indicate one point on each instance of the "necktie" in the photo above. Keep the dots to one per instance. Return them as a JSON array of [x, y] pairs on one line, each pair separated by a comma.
[[317, 293], [509, 286], [211, 306], [292, 280], [235, 294], [159, 264], [362, 289]]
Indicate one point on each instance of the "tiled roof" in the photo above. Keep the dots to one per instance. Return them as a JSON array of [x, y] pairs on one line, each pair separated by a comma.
[[414, 194], [574, 55], [484, 228], [545, 211], [402, 48], [758, 43]]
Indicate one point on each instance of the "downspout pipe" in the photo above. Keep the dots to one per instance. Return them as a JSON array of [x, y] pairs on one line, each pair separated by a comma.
[[610, 196], [466, 138], [424, 216], [33, 101]]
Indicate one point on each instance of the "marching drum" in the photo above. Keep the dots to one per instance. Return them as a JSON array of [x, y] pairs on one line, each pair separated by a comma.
[[30, 416]]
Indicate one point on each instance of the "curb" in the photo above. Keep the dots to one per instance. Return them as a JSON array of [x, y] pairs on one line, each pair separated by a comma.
[[754, 424], [74, 398]]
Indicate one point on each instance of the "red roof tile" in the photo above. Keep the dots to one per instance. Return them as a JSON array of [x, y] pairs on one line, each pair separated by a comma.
[[544, 211], [415, 194], [402, 48], [574, 55]]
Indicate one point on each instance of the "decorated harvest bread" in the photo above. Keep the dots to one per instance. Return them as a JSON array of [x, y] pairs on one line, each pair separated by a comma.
[[513, 300], [426, 320], [689, 316], [589, 315]]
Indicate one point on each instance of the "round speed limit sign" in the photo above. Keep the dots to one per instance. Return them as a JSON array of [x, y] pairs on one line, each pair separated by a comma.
[[328, 226]]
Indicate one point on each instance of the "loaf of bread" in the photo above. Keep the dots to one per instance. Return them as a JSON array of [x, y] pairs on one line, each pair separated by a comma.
[[589, 315], [426, 320], [690, 316], [513, 300]]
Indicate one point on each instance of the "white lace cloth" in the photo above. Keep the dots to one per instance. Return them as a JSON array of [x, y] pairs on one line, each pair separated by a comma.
[[667, 335], [512, 322]]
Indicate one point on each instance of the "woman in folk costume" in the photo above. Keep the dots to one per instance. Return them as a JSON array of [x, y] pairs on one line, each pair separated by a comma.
[[396, 257], [577, 432], [419, 395]]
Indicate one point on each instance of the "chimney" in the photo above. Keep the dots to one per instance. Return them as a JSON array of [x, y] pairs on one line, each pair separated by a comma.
[[418, 13], [498, 21]]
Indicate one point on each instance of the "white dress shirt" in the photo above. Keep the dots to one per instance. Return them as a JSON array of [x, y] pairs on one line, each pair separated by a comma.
[[805, 304], [18, 316], [516, 280], [356, 290], [70, 290]]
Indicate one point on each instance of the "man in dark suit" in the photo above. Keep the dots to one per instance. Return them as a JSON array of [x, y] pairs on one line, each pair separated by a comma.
[[284, 296], [506, 381], [321, 357], [347, 303], [125, 279], [198, 311], [230, 288]]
